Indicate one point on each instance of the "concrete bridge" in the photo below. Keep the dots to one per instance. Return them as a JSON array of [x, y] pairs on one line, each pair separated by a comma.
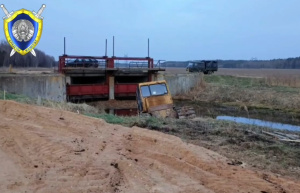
[[88, 77], [54, 86]]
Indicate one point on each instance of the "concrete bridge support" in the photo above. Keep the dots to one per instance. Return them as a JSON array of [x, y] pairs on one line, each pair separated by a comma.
[[111, 82], [180, 83], [51, 87]]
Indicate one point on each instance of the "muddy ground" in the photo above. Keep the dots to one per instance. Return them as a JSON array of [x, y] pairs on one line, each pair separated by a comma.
[[48, 150]]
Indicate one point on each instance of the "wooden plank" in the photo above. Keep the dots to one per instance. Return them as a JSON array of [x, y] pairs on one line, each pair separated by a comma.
[[281, 138], [290, 140], [290, 136], [274, 135]]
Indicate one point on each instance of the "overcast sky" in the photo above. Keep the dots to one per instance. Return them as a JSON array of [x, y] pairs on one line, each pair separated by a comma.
[[178, 29]]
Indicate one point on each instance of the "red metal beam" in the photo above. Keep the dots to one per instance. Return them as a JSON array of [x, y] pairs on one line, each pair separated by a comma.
[[79, 90], [125, 89]]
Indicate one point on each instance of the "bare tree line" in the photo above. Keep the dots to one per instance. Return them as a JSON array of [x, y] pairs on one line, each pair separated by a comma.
[[18, 60], [290, 63]]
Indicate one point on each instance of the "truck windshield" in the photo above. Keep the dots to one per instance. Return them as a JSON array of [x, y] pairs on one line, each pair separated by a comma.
[[145, 91], [190, 65], [154, 90]]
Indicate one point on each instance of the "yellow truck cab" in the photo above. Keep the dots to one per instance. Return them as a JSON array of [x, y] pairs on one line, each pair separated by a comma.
[[155, 99]]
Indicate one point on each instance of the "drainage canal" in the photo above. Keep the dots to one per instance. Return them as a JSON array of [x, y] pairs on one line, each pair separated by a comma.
[[261, 123], [259, 117]]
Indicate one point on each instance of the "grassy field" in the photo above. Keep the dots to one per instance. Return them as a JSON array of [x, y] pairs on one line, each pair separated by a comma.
[[276, 77], [262, 73], [247, 92]]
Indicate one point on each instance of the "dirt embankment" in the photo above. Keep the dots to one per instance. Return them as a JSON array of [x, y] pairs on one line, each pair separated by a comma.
[[47, 150]]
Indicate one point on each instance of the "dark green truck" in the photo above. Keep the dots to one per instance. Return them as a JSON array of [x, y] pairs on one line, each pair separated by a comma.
[[205, 66]]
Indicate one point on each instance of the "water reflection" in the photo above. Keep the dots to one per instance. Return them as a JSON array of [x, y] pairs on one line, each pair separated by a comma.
[[123, 112], [258, 122]]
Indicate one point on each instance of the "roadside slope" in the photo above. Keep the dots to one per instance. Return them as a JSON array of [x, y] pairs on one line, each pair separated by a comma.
[[47, 150]]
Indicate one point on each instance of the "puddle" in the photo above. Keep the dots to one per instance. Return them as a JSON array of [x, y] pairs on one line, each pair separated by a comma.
[[123, 112], [258, 122]]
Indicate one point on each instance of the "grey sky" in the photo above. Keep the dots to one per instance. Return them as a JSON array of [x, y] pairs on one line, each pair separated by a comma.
[[178, 29]]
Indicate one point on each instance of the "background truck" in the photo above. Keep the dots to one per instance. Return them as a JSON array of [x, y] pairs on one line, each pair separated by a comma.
[[205, 66]]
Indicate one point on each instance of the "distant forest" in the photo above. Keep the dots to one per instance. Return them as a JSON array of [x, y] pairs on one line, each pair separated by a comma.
[[290, 63], [17, 60]]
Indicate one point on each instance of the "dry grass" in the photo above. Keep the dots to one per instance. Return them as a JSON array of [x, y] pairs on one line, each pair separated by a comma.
[[244, 91], [288, 81], [76, 108], [271, 77], [260, 73], [244, 72]]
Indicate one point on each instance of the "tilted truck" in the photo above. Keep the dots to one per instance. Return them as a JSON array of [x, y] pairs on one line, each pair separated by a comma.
[[155, 99]]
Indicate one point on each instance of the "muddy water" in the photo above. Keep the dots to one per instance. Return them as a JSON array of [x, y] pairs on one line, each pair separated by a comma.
[[214, 110], [258, 122], [123, 112]]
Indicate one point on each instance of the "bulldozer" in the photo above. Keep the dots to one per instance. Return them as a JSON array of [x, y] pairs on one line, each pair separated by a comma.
[[155, 99]]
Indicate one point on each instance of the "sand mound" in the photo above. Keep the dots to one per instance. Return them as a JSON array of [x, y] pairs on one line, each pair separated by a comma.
[[47, 150]]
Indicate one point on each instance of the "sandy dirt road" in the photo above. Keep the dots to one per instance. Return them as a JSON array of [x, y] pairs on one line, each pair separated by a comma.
[[47, 150]]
